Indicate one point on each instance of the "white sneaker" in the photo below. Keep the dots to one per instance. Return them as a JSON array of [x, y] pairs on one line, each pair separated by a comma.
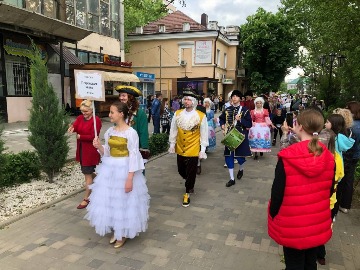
[[225, 166], [344, 210], [235, 161]]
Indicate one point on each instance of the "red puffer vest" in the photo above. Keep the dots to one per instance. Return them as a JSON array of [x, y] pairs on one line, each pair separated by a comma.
[[304, 218]]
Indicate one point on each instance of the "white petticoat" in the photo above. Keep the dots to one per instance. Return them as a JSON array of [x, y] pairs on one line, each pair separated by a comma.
[[260, 138], [110, 208]]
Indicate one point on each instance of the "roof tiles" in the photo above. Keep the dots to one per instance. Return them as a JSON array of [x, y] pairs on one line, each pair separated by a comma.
[[173, 23]]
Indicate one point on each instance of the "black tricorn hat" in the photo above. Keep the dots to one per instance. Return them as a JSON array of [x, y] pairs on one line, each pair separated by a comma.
[[189, 93], [128, 89]]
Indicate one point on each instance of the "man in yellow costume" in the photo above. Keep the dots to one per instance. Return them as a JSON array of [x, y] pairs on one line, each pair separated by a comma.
[[188, 139]]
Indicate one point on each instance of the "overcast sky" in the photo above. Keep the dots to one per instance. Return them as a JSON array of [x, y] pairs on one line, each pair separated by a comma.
[[226, 12]]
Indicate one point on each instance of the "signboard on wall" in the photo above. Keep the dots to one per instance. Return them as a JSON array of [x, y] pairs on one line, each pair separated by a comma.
[[145, 77], [89, 84], [203, 52]]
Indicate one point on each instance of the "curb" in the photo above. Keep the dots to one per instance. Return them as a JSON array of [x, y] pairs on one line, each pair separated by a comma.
[[49, 204]]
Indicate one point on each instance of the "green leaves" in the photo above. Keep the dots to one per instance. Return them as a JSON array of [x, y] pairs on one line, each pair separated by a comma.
[[269, 49], [48, 121], [158, 143], [325, 27], [19, 168]]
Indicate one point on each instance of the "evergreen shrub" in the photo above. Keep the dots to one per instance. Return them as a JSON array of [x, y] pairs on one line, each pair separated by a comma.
[[19, 168], [48, 121], [158, 143]]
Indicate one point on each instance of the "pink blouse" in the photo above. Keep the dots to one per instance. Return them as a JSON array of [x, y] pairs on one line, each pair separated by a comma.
[[259, 117]]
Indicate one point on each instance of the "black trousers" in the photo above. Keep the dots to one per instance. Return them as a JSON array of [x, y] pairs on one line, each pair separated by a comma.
[[149, 116], [296, 259], [187, 169], [276, 130], [166, 129], [345, 188]]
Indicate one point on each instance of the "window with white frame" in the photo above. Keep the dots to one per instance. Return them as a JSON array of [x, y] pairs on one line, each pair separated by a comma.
[[218, 57], [225, 60]]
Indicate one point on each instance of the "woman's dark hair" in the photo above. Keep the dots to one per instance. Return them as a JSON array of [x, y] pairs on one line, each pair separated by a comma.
[[331, 144], [312, 121], [133, 105], [354, 107], [162, 107], [121, 107], [337, 124]]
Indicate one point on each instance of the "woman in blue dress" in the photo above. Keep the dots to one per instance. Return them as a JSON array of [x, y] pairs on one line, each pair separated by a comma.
[[211, 125]]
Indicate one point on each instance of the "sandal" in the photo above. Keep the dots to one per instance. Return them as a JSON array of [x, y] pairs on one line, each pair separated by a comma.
[[81, 205]]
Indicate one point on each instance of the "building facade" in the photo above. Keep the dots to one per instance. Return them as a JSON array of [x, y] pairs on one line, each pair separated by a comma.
[[67, 32], [183, 53]]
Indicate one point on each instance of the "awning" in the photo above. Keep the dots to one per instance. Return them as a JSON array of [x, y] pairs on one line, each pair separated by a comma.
[[120, 77], [68, 56], [40, 24]]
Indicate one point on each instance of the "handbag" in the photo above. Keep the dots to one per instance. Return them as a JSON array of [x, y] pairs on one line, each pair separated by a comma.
[[145, 153]]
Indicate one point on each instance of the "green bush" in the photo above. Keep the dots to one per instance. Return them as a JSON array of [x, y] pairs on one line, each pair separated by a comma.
[[20, 168], [357, 175], [158, 143], [48, 122]]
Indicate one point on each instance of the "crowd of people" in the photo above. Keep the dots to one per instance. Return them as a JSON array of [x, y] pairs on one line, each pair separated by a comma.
[[314, 174]]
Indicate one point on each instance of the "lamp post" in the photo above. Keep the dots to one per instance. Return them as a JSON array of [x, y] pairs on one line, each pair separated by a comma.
[[335, 60]]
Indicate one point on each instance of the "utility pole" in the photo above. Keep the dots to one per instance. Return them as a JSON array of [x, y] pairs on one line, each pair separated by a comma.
[[122, 31], [160, 68]]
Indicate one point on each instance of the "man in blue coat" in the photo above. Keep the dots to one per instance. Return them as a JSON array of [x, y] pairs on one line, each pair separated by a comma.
[[155, 112], [236, 116]]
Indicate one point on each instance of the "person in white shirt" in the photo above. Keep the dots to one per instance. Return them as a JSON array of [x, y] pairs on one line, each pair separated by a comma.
[[188, 139]]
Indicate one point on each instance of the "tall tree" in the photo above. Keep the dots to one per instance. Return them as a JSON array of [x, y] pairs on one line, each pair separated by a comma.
[[326, 27], [48, 122], [269, 49], [141, 12]]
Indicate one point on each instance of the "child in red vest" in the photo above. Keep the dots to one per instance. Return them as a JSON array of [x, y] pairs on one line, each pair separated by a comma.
[[299, 216]]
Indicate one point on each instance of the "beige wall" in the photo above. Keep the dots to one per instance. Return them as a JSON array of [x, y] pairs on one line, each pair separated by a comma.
[[18, 108], [93, 42], [145, 56]]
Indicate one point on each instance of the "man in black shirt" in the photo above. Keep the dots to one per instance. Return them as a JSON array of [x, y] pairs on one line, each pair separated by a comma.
[[278, 121]]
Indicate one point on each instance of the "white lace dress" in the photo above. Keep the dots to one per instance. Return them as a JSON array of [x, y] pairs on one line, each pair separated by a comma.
[[110, 208]]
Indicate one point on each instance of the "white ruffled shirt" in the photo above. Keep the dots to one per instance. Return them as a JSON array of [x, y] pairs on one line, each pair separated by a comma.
[[188, 116], [136, 161]]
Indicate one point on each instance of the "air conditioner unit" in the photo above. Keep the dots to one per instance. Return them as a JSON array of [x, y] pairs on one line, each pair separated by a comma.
[[183, 63]]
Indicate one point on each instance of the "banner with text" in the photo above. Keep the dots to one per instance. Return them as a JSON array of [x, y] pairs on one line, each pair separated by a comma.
[[203, 52], [89, 84]]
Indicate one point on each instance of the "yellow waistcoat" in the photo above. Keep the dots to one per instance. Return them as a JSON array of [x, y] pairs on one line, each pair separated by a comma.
[[188, 141]]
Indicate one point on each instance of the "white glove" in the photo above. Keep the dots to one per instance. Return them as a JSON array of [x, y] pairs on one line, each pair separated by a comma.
[[202, 155], [171, 150]]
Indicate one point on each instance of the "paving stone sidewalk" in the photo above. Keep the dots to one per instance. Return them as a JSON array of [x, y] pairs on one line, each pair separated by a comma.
[[224, 228]]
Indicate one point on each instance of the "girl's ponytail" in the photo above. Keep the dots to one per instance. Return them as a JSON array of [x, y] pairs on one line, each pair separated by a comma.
[[314, 146]]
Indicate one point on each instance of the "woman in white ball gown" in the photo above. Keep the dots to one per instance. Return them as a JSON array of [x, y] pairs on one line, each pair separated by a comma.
[[119, 201]]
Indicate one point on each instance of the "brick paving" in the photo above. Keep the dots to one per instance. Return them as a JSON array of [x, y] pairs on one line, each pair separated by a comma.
[[224, 228]]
